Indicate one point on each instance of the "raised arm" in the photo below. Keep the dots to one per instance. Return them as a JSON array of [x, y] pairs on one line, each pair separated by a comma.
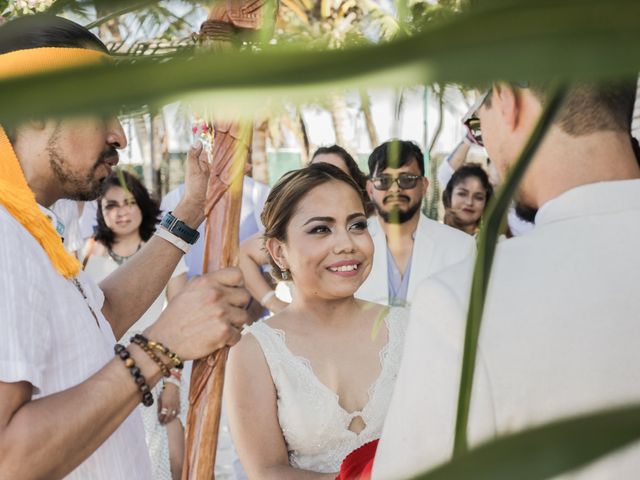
[[132, 288], [250, 260], [207, 315], [453, 162], [250, 397]]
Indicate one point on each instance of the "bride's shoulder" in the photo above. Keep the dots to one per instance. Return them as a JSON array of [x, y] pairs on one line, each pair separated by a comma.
[[386, 313], [248, 350], [395, 319], [268, 330], [400, 314]]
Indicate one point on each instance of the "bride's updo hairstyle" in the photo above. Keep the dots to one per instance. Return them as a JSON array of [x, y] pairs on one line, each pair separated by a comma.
[[287, 193]]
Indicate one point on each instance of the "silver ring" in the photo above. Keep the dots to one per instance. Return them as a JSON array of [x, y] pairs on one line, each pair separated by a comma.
[[174, 412], [164, 411]]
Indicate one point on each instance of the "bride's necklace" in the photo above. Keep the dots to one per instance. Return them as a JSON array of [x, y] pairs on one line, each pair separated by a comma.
[[120, 259]]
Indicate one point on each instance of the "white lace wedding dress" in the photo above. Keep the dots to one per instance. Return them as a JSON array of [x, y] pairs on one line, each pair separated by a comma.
[[314, 425]]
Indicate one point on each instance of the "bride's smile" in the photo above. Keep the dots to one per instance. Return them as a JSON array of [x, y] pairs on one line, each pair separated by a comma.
[[312, 383], [328, 249]]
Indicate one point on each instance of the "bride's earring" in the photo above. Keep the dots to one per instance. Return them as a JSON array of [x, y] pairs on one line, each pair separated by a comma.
[[285, 274]]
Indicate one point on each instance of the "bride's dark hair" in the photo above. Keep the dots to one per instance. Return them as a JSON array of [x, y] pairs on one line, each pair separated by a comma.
[[287, 193]]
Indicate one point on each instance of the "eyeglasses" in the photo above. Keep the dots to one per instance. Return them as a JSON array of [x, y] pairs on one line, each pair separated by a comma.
[[472, 122], [405, 181]]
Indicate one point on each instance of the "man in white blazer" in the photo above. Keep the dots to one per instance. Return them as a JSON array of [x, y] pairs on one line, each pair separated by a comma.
[[408, 246], [561, 324]]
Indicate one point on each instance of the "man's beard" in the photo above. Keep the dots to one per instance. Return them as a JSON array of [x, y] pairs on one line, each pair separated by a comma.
[[526, 212], [76, 186], [395, 215]]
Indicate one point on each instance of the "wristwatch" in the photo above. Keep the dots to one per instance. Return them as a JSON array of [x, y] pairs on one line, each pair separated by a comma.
[[179, 228]]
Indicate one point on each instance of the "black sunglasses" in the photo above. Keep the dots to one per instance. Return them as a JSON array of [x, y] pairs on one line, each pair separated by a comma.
[[472, 122], [405, 181]]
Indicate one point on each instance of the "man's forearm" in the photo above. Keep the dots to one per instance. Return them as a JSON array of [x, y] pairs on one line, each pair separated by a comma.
[[132, 288], [51, 436]]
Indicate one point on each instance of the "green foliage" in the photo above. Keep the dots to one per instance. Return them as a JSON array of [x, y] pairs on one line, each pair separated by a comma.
[[545, 451], [146, 20], [535, 40], [493, 225], [556, 40]]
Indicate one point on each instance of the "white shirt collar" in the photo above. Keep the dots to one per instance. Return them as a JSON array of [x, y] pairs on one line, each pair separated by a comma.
[[55, 220], [594, 198]]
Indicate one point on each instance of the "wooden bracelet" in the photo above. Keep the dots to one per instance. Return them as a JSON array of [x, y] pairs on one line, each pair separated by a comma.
[[122, 352], [166, 372], [173, 357]]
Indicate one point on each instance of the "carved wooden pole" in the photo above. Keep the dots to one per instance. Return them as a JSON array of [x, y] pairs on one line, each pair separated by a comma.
[[230, 151]]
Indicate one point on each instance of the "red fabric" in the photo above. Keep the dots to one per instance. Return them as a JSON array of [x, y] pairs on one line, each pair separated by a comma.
[[359, 463]]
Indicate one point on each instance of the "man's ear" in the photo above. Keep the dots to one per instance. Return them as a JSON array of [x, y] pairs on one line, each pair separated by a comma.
[[507, 101], [369, 187], [277, 250], [17, 131], [425, 184]]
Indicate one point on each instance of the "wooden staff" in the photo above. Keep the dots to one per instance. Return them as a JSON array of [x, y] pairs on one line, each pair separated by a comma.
[[230, 152], [224, 198]]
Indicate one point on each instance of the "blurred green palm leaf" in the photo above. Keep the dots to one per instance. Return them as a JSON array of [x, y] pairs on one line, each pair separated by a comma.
[[508, 39], [493, 225], [513, 40], [545, 451]]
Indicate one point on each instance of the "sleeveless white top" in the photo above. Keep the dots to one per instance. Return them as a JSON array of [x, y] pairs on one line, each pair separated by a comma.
[[314, 425]]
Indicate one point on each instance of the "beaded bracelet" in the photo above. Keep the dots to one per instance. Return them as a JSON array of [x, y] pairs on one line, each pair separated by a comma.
[[144, 346], [175, 359], [141, 382]]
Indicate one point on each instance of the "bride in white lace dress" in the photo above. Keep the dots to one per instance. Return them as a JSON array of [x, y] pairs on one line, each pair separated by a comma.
[[313, 383]]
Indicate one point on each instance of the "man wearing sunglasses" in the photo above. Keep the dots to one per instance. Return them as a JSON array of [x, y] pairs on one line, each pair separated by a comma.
[[408, 246], [560, 329]]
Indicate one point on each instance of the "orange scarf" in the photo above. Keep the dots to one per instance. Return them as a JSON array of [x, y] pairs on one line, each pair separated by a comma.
[[15, 194]]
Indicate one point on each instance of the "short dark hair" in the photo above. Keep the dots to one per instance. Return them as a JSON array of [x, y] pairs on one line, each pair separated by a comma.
[[466, 171], [407, 151], [353, 168], [149, 208], [590, 106], [44, 30], [287, 193]]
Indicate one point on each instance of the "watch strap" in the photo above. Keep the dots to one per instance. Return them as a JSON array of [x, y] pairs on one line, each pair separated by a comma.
[[179, 228], [172, 239]]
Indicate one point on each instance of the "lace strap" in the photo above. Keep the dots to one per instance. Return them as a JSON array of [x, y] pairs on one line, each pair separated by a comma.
[[270, 342], [396, 321]]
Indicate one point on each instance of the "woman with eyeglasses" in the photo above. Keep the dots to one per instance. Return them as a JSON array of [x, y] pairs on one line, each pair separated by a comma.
[[466, 197], [126, 218]]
